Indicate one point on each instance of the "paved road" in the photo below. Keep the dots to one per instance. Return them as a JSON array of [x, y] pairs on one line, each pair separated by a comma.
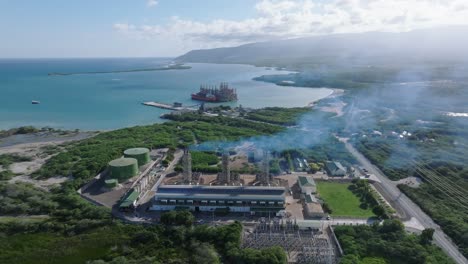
[[407, 208], [170, 168]]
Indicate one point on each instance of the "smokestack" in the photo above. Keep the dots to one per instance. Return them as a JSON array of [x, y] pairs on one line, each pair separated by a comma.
[[266, 167], [187, 166], [225, 176], [264, 176]]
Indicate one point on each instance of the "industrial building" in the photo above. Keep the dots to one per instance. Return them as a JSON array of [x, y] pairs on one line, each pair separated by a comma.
[[255, 199], [123, 169], [312, 207], [129, 202], [140, 154], [335, 169], [307, 184]]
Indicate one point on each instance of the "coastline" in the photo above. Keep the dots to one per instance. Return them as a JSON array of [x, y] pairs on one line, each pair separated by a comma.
[[305, 102], [166, 68], [38, 138]]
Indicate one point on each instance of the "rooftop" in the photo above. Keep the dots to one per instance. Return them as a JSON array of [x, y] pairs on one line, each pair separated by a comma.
[[306, 181], [122, 162], [310, 198], [136, 151], [334, 165], [131, 197], [220, 192]]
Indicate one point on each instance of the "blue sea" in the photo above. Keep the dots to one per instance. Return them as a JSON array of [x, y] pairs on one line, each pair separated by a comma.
[[113, 100]]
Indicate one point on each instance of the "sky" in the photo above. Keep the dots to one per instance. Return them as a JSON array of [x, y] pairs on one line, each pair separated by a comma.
[[168, 28]]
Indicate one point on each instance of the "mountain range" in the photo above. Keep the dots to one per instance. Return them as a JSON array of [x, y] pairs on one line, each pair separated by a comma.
[[424, 45]]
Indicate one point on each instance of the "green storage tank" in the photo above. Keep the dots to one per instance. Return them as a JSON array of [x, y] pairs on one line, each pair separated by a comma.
[[140, 154], [123, 169], [111, 183]]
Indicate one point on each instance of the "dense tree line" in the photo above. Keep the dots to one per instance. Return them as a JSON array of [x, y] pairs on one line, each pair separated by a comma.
[[277, 115], [434, 159], [367, 197], [124, 243], [23, 198], [388, 243]]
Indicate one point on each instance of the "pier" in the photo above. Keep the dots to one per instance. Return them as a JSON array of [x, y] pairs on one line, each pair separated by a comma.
[[173, 107]]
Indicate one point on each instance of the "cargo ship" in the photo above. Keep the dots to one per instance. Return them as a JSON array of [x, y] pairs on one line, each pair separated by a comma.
[[215, 94]]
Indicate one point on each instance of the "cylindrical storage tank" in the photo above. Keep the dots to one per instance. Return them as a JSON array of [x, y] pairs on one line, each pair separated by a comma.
[[123, 168], [140, 154], [111, 183]]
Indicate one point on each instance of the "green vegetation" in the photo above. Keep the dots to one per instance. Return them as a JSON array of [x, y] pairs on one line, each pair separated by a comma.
[[75, 231], [387, 243], [8, 159], [436, 161], [177, 218], [69, 229], [86, 158], [341, 200], [204, 161], [53, 248], [304, 80], [18, 131], [23, 198], [447, 213], [277, 115], [370, 199], [6, 175], [123, 243]]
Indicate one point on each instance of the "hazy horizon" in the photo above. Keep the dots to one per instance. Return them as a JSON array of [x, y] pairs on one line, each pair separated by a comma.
[[149, 28]]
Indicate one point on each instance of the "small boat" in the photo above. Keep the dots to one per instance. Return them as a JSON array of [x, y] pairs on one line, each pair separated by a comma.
[[35, 102]]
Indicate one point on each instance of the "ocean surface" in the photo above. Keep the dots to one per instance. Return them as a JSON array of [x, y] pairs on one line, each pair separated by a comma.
[[113, 100]]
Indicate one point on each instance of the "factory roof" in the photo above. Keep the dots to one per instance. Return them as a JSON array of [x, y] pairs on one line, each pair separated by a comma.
[[335, 168], [122, 162], [136, 151], [220, 192], [310, 198], [306, 181], [130, 199], [221, 189]]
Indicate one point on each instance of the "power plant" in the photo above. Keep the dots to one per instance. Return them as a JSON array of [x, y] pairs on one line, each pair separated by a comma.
[[223, 193]]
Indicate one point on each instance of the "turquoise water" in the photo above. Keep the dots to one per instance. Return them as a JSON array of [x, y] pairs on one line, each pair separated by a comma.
[[109, 101]]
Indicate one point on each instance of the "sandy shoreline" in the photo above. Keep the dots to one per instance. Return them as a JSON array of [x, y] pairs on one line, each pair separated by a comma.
[[35, 147], [331, 107]]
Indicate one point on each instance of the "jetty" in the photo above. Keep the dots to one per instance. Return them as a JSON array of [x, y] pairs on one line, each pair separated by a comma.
[[174, 107]]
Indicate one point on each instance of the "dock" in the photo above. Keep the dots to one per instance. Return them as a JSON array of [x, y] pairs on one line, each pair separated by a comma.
[[168, 106]]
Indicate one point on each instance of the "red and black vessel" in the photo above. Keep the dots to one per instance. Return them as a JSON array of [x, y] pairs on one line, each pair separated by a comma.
[[215, 94]]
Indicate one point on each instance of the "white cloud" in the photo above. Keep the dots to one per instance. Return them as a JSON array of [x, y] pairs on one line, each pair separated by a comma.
[[287, 19], [151, 3]]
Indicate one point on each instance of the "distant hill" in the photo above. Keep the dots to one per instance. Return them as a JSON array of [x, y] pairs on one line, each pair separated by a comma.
[[440, 44]]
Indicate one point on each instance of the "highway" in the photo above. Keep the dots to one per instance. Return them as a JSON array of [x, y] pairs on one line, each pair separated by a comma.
[[405, 207]]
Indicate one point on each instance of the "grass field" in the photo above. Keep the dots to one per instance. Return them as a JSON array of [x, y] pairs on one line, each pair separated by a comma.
[[341, 200]]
